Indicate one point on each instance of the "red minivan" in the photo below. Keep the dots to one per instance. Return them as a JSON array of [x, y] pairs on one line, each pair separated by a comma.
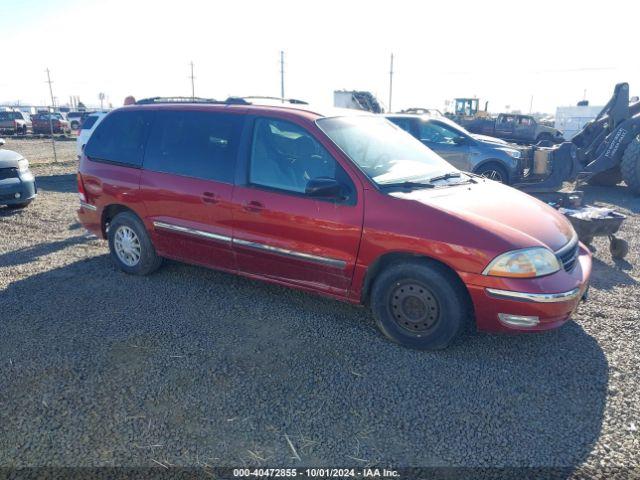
[[341, 203]]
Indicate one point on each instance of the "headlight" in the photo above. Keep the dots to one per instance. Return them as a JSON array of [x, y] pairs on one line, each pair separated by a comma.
[[23, 165], [525, 263], [512, 153]]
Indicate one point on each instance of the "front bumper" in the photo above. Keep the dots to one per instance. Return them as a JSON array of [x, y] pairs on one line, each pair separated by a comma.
[[17, 190], [525, 305]]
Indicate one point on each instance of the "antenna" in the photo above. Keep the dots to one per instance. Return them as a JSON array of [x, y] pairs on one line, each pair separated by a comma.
[[282, 75], [391, 83], [53, 107], [193, 91]]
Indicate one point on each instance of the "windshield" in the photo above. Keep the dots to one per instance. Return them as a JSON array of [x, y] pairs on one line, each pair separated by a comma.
[[385, 152]]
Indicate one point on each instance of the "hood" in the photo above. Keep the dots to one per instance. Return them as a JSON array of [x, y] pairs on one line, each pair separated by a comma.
[[488, 139], [505, 212], [9, 158]]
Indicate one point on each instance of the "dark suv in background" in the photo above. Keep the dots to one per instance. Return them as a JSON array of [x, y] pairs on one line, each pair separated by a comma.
[[487, 156]]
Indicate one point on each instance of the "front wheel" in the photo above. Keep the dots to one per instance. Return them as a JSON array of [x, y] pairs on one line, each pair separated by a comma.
[[420, 305], [493, 171], [130, 246]]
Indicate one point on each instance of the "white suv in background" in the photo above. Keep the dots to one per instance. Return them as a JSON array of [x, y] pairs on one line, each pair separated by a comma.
[[88, 126]]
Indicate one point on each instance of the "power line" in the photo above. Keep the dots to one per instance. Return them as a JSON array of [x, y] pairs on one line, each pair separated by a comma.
[[390, 83], [282, 75], [53, 107], [193, 90]]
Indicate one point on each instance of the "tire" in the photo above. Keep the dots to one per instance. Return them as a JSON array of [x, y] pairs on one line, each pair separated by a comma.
[[618, 248], [130, 246], [18, 206], [608, 178], [493, 171], [420, 305], [630, 166]]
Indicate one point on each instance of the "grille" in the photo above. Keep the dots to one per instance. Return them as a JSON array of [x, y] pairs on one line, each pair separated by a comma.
[[8, 173], [569, 254]]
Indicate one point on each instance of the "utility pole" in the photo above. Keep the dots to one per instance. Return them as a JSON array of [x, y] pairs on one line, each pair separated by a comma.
[[53, 106], [391, 83], [193, 91], [531, 105], [282, 75]]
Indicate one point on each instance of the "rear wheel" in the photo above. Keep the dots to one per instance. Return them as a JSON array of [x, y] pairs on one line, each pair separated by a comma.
[[630, 166], [608, 178], [130, 246], [419, 305], [493, 171]]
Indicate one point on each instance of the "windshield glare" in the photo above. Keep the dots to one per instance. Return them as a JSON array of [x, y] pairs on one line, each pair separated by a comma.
[[385, 152]]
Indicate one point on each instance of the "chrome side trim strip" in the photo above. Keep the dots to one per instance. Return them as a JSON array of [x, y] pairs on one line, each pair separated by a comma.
[[88, 206], [192, 231], [535, 297], [332, 262]]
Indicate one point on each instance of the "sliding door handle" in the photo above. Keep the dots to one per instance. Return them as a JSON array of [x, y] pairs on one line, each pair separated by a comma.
[[253, 206]]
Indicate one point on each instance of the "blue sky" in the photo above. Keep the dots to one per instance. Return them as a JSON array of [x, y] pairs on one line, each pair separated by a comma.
[[503, 52]]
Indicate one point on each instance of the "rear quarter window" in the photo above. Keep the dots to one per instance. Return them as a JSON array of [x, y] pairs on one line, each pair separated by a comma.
[[120, 138], [194, 144]]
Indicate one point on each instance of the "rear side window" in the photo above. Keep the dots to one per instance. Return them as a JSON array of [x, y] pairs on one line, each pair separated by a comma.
[[120, 138], [5, 116], [89, 122], [195, 144]]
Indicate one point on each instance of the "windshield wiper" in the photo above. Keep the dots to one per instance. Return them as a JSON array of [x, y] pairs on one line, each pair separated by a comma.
[[446, 176], [407, 184]]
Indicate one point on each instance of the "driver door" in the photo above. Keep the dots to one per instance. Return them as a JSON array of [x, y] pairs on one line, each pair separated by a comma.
[[279, 231]]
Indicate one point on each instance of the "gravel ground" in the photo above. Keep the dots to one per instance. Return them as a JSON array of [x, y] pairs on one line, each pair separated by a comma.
[[192, 366]]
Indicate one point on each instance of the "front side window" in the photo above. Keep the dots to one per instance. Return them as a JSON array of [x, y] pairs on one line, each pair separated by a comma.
[[433, 132], [285, 156], [195, 144], [120, 138], [385, 152]]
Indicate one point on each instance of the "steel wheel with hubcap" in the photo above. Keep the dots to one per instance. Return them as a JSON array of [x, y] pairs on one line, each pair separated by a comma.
[[127, 246], [420, 304], [414, 307], [130, 245]]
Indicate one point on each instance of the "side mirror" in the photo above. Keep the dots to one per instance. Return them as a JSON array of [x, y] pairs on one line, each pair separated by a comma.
[[324, 187], [1, 141]]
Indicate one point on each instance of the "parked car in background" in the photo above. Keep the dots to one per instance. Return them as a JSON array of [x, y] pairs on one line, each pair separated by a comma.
[[341, 203], [14, 122], [88, 125], [513, 128], [487, 156], [17, 183], [75, 119], [41, 123]]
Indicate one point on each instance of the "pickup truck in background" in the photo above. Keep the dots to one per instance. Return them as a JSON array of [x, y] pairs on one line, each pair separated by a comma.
[[513, 127], [14, 122], [41, 124]]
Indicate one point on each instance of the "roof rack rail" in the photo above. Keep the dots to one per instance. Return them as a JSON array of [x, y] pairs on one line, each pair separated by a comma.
[[151, 100], [247, 100]]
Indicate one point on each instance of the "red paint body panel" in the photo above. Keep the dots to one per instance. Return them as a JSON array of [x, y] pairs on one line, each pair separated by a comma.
[[202, 205], [328, 248]]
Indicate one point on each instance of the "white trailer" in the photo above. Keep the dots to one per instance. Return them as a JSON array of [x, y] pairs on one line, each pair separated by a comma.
[[570, 120]]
